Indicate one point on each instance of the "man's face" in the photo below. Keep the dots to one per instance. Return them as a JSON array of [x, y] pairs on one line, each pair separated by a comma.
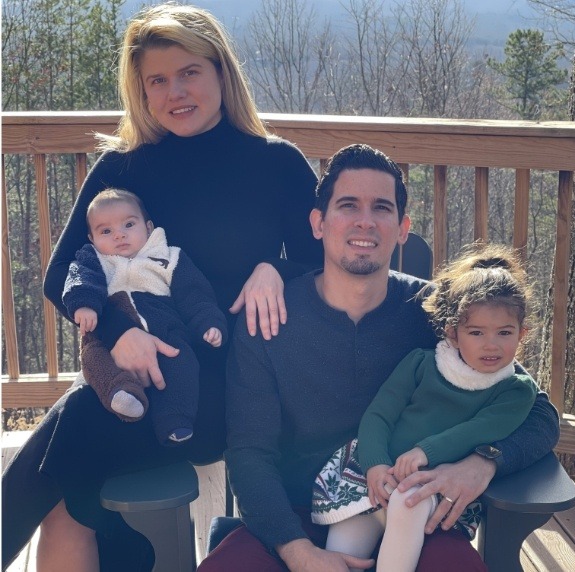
[[360, 228]]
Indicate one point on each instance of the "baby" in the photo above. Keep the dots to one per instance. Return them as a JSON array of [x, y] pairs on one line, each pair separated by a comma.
[[129, 264]]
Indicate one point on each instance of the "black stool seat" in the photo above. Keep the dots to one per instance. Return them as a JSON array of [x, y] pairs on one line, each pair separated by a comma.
[[153, 489], [155, 502]]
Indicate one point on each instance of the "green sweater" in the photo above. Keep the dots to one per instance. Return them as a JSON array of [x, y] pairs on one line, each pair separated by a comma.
[[417, 406]]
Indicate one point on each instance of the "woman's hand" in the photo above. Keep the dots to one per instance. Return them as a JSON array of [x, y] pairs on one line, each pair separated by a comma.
[[263, 296], [135, 351]]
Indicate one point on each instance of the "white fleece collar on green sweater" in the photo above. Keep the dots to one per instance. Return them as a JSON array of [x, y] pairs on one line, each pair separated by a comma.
[[458, 373]]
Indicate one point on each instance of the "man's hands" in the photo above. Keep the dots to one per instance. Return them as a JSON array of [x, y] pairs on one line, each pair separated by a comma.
[[461, 482], [303, 556], [263, 296], [135, 351]]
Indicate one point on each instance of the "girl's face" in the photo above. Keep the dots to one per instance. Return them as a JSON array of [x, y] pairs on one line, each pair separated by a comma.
[[488, 339], [184, 91]]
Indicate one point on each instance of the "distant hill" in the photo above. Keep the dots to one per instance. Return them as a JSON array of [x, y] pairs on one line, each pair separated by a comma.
[[494, 19]]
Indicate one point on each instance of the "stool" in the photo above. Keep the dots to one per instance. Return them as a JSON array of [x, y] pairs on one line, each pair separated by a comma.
[[155, 502], [515, 505]]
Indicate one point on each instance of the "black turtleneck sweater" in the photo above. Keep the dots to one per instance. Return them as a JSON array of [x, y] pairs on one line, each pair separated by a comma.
[[230, 201]]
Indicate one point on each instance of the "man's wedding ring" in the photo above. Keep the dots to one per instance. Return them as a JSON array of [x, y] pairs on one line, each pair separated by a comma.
[[448, 499]]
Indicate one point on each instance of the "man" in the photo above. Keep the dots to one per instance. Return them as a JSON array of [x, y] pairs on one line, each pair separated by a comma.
[[295, 399]]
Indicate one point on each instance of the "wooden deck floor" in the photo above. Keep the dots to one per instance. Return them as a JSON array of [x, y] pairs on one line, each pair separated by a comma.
[[549, 549]]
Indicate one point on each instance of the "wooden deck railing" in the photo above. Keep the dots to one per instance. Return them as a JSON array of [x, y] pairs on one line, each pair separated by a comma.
[[519, 145]]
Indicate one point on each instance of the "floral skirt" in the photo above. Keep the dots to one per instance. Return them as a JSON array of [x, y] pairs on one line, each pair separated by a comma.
[[340, 492]]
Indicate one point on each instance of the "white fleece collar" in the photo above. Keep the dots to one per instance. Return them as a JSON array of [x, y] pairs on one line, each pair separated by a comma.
[[458, 373], [156, 245]]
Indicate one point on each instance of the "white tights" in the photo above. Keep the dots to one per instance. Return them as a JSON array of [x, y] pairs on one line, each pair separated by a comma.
[[403, 538], [357, 536]]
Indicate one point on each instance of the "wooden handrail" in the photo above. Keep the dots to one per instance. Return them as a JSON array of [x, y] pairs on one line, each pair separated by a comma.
[[479, 143], [441, 143]]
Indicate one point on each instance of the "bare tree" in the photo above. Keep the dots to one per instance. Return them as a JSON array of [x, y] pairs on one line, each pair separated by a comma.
[[339, 94], [435, 33], [373, 58], [560, 17], [285, 56]]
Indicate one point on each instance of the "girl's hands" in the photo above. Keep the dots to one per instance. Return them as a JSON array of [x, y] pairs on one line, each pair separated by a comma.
[[263, 296], [380, 484], [409, 463]]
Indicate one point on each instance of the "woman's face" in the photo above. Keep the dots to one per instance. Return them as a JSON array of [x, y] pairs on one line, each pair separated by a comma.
[[184, 91]]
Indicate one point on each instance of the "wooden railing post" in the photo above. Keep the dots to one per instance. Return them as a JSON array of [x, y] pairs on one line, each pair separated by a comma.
[[481, 203], [521, 216], [561, 286], [81, 170], [405, 170], [439, 215], [8, 315], [45, 251]]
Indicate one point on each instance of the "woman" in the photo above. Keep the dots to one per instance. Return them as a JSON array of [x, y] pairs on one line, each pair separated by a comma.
[[193, 148]]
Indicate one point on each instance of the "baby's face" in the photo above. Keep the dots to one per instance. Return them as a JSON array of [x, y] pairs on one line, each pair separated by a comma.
[[118, 228], [488, 339]]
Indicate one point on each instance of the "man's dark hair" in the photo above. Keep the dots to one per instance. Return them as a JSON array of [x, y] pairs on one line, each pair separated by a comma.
[[355, 157]]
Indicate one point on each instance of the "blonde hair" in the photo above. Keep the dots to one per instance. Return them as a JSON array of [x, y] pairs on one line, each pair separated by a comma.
[[482, 274], [197, 32]]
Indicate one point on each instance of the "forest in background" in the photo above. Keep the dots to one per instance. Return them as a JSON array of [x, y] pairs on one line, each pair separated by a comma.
[[411, 60]]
